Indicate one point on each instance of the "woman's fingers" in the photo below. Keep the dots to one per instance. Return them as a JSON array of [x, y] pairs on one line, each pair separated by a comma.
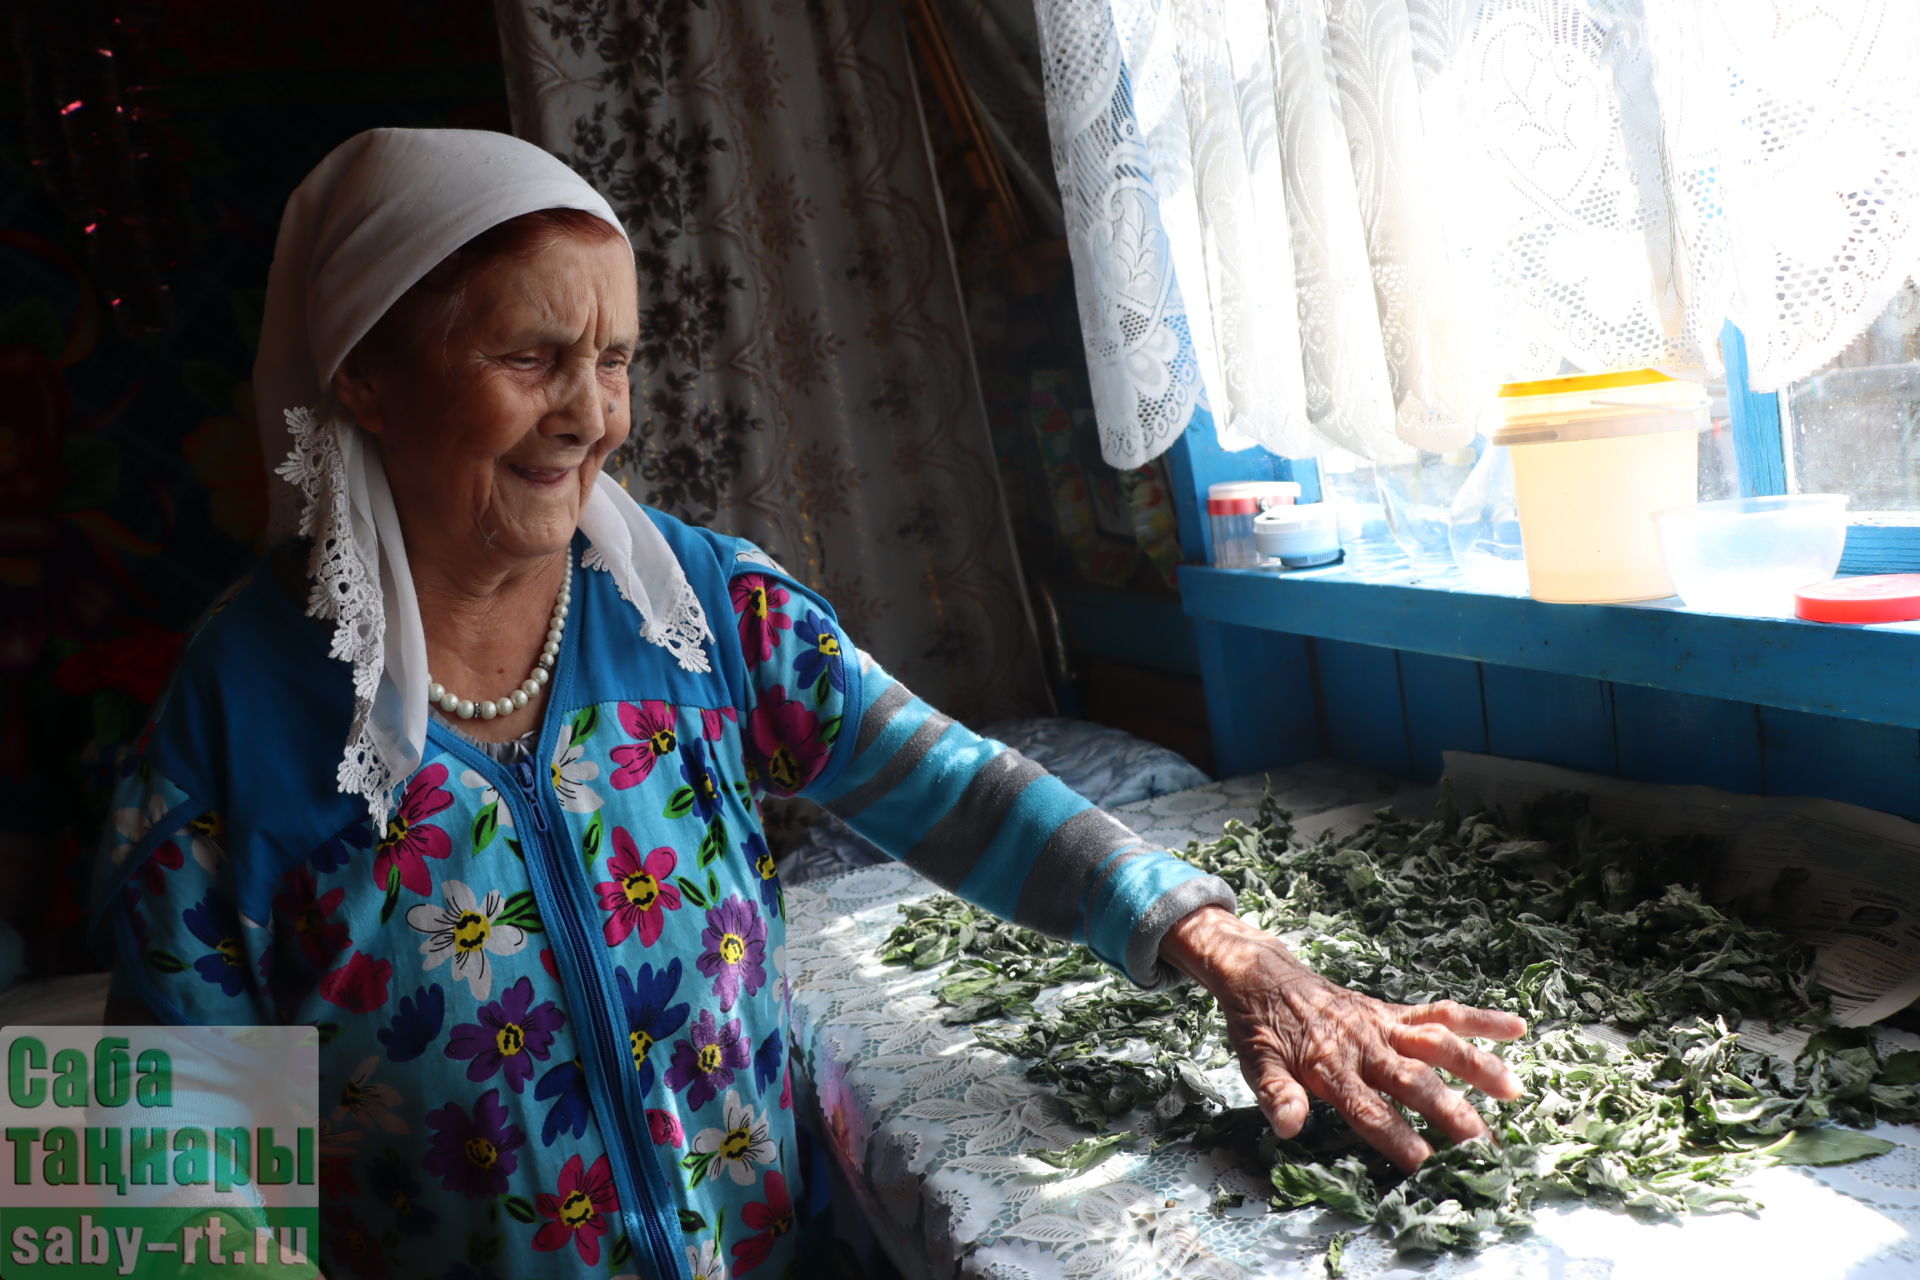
[[1281, 1099], [1296, 1031], [1466, 1020], [1436, 1046], [1418, 1087], [1377, 1121]]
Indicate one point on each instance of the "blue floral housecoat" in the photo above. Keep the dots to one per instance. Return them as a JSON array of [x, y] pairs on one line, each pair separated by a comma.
[[552, 998]]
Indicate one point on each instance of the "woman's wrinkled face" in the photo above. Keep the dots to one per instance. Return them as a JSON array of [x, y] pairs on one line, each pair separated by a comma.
[[493, 425]]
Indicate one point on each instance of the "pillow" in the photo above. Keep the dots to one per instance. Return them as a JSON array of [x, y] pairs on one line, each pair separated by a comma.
[[1106, 765]]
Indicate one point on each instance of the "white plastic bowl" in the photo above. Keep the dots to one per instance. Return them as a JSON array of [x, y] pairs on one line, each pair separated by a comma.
[[1749, 555]]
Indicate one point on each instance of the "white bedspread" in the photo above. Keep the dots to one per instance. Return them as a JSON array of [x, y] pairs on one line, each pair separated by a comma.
[[930, 1129]]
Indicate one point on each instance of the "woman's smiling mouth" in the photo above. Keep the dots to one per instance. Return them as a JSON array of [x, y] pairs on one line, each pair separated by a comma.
[[543, 477]]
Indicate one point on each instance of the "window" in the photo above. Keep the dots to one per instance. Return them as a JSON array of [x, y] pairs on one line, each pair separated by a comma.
[[1854, 427]]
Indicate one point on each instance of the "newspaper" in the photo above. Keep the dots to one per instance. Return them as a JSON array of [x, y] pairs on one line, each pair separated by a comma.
[[1840, 878]]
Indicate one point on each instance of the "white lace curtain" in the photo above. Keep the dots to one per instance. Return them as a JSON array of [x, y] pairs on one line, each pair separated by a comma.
[[1339, 223]]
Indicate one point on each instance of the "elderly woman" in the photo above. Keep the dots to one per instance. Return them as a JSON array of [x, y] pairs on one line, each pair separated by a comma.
[[469, 779]]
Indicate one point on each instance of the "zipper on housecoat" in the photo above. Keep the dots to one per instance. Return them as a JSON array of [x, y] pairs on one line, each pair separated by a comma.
[[586, 974]]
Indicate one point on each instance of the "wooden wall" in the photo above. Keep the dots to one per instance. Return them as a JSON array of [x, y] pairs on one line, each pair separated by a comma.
[[1398, 711]]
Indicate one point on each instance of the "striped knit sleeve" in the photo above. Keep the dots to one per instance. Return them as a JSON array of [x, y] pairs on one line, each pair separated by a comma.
[[985, 822], [825, 722]]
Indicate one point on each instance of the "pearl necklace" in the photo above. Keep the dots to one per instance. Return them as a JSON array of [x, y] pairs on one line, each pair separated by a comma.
[[467, 709]]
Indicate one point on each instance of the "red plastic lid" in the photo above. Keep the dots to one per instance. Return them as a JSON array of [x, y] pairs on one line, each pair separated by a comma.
[[1233, 506], [1880, 597]]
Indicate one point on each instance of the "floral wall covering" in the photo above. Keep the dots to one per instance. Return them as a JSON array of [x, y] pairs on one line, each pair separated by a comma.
[[808, 384], [805, 378]]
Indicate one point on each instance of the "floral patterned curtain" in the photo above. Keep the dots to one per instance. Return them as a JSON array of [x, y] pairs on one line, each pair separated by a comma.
[[804, 377]]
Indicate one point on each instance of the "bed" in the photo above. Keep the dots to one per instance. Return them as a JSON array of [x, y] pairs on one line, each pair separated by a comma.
[[928, 1129]]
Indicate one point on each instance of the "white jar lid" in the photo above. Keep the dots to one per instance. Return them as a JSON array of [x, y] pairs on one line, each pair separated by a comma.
[[1297, 519]]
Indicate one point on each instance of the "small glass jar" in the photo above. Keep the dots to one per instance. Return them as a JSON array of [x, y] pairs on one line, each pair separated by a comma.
[[1231, 508], [1484, 527], [1417, 497], [1349, 482]]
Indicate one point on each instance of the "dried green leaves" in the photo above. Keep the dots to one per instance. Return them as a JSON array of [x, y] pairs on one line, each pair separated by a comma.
[[1561, 921]]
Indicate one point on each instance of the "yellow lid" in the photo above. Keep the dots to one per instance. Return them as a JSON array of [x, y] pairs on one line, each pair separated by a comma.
[[1585, 382]]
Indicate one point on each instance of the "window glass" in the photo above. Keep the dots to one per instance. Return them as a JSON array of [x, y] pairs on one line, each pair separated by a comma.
[[1854, 427], [1719, 464]]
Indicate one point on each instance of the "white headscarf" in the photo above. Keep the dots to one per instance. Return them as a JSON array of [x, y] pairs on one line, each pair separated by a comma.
[[383, 209]]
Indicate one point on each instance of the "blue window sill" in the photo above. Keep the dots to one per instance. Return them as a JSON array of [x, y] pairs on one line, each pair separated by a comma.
[[1869, 673]]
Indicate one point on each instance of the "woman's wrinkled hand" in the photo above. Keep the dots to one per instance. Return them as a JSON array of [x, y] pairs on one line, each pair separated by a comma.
[[1297, 1033]]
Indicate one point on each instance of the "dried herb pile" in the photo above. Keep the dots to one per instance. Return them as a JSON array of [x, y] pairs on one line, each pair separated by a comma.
[[1559, 920]]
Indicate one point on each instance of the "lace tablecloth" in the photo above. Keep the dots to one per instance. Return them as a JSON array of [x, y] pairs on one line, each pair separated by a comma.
[[930, 1130]]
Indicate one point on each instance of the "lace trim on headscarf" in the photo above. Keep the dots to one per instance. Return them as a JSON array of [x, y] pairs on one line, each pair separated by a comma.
[[681, 629], [684, 633], [346, 589]]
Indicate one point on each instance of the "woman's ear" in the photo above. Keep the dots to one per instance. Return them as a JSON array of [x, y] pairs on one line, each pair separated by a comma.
[[359, 391]]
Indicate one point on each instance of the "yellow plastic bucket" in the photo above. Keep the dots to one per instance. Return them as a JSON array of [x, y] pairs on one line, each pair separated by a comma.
[[1594, 457]]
